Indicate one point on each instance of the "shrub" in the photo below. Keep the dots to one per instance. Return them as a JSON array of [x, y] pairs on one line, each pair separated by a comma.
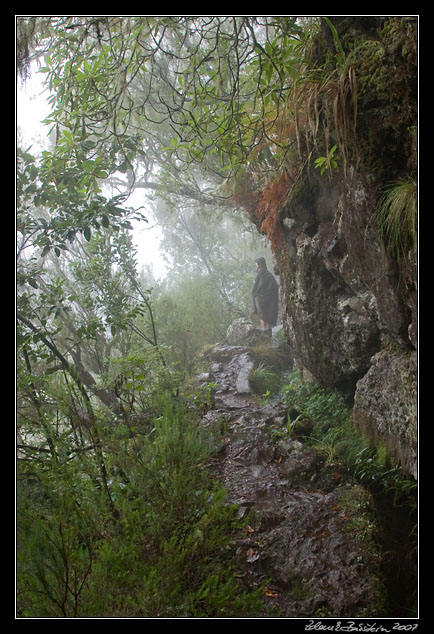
[[167, 551]]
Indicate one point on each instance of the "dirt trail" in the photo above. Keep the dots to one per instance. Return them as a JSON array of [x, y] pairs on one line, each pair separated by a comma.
[[310, 535]]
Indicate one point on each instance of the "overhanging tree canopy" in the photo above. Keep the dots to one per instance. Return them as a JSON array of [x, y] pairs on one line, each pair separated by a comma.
[[213, 89]]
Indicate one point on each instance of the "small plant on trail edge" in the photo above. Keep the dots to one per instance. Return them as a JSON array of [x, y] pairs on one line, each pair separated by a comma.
[[202, 396], [264, 381]]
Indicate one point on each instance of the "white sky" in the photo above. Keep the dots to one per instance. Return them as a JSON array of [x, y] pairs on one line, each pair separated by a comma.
[[31, 109]]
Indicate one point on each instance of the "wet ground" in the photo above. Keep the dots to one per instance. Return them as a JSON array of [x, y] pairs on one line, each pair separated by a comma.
[[310, 536]]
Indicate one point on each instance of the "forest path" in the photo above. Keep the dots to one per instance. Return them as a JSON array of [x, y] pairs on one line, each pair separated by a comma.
[[310, 535]]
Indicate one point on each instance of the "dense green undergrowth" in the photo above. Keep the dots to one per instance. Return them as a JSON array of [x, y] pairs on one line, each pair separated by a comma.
[[160, 547], [321, 418], [156, 539]]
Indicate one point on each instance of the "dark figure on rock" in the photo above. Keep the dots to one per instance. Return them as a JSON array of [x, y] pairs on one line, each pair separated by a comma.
[[265, 296]]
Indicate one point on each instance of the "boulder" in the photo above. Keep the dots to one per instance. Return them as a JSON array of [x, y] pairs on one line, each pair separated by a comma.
[[385, 405], [243, 333], [230, 368]]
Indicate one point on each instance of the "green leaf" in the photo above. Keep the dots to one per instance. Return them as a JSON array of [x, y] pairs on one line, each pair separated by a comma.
[[87, 233]]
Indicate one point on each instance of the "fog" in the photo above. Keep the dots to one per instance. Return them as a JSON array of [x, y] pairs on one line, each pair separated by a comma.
[[31, 110]]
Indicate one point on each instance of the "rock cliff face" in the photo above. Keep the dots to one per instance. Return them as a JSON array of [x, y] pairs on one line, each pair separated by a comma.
[[349, 307], [346, 317]]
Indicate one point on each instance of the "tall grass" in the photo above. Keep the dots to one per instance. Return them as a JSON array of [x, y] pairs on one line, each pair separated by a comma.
[[263, 380], [397, 217]]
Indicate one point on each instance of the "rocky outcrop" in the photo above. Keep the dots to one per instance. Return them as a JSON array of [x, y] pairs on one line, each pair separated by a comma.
[[349, 306], [385, 405], [344, 304], [310, 536], [243, 332]]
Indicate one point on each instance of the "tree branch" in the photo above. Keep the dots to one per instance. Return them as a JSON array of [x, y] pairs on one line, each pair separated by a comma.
[[179, 190], [65, 364]]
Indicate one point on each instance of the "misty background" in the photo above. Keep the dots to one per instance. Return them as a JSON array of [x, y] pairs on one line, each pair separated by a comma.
[[193, 263]]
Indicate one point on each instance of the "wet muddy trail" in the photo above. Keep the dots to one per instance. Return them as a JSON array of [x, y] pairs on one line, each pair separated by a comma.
[[311, 537]]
